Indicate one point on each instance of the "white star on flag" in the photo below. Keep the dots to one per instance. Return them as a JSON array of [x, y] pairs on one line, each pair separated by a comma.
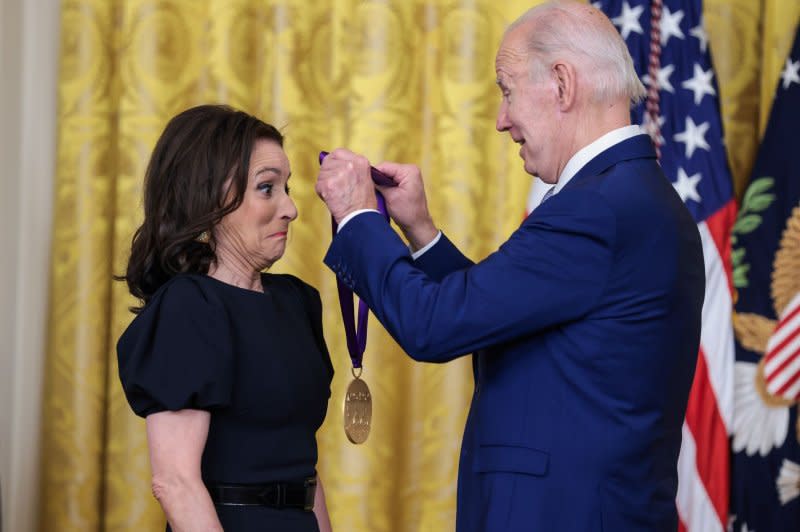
[[662, 78], [791, 73], [671, 25], [700, 33], [700, 83], [647, 127], [686, 186], [693, 136], [628, 20]]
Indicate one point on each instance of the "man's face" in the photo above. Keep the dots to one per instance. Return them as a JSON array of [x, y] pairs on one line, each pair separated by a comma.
[[528, 110]]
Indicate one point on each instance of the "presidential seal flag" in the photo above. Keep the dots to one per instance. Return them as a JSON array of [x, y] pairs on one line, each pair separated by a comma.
[[765, 491], [670, 50]]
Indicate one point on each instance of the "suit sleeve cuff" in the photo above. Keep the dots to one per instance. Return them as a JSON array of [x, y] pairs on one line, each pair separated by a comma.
[[353, 215], [420, 252]]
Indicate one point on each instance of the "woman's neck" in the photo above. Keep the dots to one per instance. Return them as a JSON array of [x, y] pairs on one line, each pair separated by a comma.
[[236, 274]]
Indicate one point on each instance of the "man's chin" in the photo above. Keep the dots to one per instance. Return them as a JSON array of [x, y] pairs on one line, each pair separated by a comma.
[[529, 169]]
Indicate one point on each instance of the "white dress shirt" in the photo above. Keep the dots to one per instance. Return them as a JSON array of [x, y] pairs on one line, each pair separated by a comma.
[[592, 150]]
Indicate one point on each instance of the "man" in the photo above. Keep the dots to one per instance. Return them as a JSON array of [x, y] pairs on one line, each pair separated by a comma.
[[585, 323]]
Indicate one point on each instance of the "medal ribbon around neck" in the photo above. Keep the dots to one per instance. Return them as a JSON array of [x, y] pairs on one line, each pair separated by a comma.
[[357, 413], [356, 333]]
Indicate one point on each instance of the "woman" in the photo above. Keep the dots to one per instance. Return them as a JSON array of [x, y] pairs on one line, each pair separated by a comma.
[[227, 365]]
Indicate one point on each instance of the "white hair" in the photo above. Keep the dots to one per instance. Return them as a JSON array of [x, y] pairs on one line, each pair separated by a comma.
[[601, 55]]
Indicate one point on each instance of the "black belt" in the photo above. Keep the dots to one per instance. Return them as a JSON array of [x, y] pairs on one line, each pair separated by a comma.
[[275, 494]]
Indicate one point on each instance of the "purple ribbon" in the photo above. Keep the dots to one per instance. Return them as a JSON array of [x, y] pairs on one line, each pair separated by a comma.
[[356, 333]]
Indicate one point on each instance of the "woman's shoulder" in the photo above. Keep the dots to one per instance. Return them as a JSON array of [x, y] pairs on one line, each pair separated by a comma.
[[182, 296], [185, 288], [287, 281]]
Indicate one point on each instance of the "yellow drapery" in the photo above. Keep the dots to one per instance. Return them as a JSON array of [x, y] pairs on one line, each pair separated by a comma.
[[408, 80]]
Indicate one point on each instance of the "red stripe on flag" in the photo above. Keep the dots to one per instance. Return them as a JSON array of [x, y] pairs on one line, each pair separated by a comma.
[[774, 353], [719, 225], [789, 317], [791, 382], [681, 527], [712, 454]]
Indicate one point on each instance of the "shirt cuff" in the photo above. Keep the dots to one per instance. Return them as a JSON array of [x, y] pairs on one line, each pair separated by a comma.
[[353, 215], [420, 252]]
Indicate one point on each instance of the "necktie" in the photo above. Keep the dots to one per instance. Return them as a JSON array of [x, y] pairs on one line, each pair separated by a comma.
[[547, 194]]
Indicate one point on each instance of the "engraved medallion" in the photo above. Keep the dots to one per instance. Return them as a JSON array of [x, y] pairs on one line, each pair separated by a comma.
[[357, 411]]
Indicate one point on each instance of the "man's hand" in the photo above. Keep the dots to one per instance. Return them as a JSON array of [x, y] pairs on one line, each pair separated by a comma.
[[407, 205], [344, 183]]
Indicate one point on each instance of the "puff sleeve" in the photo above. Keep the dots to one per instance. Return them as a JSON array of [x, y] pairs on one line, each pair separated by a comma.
[[177, 353]]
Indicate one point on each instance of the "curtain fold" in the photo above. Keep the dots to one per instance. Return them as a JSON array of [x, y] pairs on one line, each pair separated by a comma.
[[749, 42], [407, 80]]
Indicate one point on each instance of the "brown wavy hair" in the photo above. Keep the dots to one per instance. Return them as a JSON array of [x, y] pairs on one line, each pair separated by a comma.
[[196, 175]]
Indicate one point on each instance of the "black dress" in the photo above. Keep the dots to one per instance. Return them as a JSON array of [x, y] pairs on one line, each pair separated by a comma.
[[256, 361]]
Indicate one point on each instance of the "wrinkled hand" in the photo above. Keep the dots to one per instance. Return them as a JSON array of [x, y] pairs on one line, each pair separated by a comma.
[[407, 204], [344, 183]]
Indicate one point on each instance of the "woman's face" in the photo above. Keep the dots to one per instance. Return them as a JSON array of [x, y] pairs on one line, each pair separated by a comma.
[[255, 233]]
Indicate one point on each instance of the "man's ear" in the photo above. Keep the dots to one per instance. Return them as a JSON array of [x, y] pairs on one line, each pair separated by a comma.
[[566, 83]]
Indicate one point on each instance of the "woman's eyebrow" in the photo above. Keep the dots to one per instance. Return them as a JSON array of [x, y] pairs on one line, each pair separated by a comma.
[[265, 169]]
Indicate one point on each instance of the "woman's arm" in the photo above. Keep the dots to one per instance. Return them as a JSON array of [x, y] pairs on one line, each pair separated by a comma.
[[176, 441], [321, 509]]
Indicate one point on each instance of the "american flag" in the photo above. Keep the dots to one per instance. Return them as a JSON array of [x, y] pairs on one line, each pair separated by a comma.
[[688, 129], [669, 46]]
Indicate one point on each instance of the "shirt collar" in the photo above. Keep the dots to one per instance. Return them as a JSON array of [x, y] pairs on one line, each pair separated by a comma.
[[592, 150]]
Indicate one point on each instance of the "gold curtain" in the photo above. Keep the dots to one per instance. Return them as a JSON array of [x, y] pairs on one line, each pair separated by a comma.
[[408, 80]]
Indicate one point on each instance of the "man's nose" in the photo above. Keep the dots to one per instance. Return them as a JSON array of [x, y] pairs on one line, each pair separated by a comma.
[[503, 123]]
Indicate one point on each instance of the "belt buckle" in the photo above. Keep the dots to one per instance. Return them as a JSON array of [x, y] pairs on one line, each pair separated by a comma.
[[274, 495], [310, 485]]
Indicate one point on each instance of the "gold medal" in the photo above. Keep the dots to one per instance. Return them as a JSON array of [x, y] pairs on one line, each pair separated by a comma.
[[357, 410]]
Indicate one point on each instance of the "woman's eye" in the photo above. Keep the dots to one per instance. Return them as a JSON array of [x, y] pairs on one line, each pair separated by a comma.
[[265, 187], [286, 188]]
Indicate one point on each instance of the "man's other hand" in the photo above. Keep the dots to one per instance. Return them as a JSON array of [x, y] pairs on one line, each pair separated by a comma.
[[407, 204]]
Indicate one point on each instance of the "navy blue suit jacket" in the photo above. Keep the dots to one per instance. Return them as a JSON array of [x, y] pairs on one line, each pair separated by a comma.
[[585, 326]]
